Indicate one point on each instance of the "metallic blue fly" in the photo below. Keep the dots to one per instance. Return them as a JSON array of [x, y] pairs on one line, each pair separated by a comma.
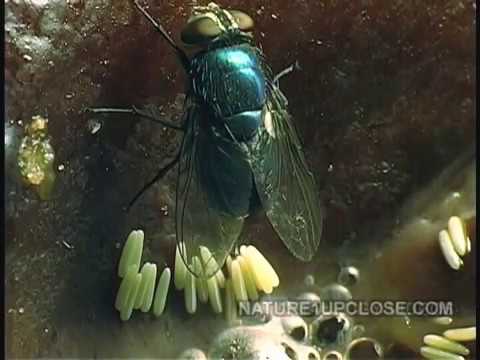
[[239, 149]]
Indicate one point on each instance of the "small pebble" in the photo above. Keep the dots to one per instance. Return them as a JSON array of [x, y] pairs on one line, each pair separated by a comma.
[[309, 296], [309, 280], [193, 354], [335, 292], [358, 330], [348, 276]]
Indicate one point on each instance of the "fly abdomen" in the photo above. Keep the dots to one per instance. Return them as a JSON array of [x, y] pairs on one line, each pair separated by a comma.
[[245, 124]]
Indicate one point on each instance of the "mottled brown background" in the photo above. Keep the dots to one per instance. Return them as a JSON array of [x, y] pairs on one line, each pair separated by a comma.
[[384, 101]]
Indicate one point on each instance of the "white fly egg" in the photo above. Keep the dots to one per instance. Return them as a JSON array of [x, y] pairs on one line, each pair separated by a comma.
[[180, 270], [439, 342], [190, 293], [214, 295], [462, 334], [457, 235], [435, 354], [162, 292], [131, 252], [448, 250]]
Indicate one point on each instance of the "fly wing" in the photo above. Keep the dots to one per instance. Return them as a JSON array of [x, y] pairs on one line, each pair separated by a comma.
[[285, 186], [207, 215]]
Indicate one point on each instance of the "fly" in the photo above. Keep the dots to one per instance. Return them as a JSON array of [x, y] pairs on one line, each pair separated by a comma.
[[239, 149]]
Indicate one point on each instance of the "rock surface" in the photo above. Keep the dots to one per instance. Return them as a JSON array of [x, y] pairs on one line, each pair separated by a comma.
[[384, 101]]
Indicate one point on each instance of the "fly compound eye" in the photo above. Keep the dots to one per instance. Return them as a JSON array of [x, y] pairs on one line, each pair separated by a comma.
[[200, 29], [205, 27], [244, 21]]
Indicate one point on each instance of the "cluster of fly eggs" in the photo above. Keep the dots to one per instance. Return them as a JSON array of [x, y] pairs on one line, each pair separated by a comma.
[[137, 289], [454, 242], [36, 156], [448, 345], [248, 273]]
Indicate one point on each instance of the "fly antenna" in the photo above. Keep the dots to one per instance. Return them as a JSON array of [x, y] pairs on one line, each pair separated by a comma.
[[180, 53]]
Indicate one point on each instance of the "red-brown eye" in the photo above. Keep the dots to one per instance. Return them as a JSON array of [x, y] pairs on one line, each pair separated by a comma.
[[199, 30], [244, 21]]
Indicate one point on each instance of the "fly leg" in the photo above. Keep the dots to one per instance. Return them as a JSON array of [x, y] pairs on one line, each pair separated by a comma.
[[288, 70], [180, 53], [161, 173], [137, 112]]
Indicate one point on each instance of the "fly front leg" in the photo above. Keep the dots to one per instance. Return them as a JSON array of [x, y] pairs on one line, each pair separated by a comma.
[[149, 115]]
